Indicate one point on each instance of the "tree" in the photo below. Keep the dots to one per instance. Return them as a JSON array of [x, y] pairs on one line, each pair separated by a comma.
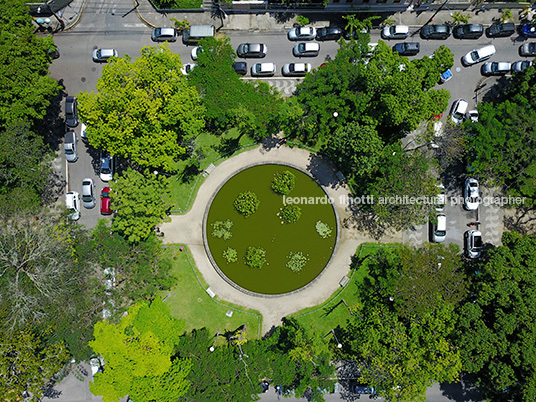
[[497, 332], [144, 109], [139, 201], [139, 353], [28, 361], [26, 87]]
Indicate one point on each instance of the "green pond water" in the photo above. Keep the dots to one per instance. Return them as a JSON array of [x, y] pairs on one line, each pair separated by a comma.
[[264, 229]]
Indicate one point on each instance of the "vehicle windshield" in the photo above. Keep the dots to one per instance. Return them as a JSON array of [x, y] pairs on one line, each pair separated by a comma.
[[474, 55], [457, 115], [477, 242], [69, 151], [87, 198], [440, 233]]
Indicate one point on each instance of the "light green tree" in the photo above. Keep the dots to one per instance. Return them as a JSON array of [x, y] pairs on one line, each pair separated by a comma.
[[143, 109], [139, 356], [139, 201]]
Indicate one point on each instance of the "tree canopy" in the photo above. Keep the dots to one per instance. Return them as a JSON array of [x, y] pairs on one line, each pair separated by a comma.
[[145, 109]]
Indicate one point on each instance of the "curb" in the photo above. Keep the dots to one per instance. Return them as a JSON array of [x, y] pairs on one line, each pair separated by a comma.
[[78, 17]]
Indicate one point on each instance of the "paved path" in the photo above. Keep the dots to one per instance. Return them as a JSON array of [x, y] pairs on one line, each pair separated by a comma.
[[187, 229]]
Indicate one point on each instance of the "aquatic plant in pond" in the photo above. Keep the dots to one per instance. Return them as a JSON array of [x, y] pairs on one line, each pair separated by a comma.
[[222, 229], [290, 213], [323, 229], [230, 254], [283, 183], [247, 203], [296, 261], [255, 257]]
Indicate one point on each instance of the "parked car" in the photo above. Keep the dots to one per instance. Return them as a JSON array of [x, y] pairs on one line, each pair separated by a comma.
[[251, 50], [501, 30], [528, 30], [445, 76], [240, 67], [164, 34], [458, 111], [468, 31], [106, 170], [296, 69], [407, 48], [364, 390], [83, 134], [473, 115], [187, 68], [478, 55], [88, 193], [306, 49], [328, 33], [473, 243], [440, 31], [355, 33], [263, 69], [102, 55], [69, 146], [194, 53], [528, 49], [439, 233], [395, 32], [441, 199], [471, 195], [302, 33], [105, 208], [71, 111], [496, 68], [72, 202], [520, 66]]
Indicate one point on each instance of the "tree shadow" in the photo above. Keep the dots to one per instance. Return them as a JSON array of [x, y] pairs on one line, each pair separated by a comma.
[[52, 128], [463, 391], [522, 220], [228, 146], [190, 171], [54, 188], [283, 16], [497, 92], [365, 222], [323, 171]]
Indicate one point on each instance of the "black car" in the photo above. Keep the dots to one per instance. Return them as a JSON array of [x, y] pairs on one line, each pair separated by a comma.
[[71, 111], [501, 30], [328, 33], [407, 48], [441, 31], [241, 67], [251, 50], [468, 31]]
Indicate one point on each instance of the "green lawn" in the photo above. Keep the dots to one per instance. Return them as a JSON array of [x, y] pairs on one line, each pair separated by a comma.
[[333, 312], [209, 149], [189, 301]]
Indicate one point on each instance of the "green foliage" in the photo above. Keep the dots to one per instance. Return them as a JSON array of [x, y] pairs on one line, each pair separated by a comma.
[[296, 261], [354, 24], [283, 183], [28, 361], [143, 109], [180, 24], [323, 229], [300, 19], [230, 254], [246, 203], [255, 257], [506, 15], [222, 229], [138, 199], [290, 213], [178, 4], [140, 359], [497, 330], [459, 18]]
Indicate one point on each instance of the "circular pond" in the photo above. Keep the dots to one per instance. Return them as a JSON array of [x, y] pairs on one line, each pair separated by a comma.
[[264, 229]]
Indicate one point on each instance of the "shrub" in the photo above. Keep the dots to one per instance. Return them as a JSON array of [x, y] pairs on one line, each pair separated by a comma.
[[323, 229], [290, 213], [175, 4], [230, 255], [255, 257], [283, 183], [296, 261], [246, 203], [222, 229]]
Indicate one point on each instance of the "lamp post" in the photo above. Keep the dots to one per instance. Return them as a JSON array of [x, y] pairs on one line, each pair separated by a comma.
[[215, 339], [339, 345]]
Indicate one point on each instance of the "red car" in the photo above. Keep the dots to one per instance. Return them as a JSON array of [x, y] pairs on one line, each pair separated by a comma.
[[105, 201]]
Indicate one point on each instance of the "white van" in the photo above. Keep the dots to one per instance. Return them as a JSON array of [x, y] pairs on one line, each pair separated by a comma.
[[440, 228], [478, 55], [195, 33]]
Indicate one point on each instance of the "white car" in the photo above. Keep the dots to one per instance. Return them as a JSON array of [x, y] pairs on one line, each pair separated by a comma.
[[306, 49], [83, 134], [69, 146], [263, 69], [72, 202], [88, 193], [458, 111], [441, 199], [520, 66], [195, 52], [478, 55], [496, 68], [471, 195], [106, 171], [440, 229], [302, 33], [395, 32], [473, 243], [102, 55], [187, 68], [473, 115], [296, 69]]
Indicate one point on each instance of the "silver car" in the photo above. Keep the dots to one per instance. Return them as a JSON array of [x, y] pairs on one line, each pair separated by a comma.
[[496, 68], [102, 55], [164, 34], [263, 69], [69, 145], [471, 194], [520, 66], [296, 69], [88, 193], [306, 49], [473, 243], [302, 33]]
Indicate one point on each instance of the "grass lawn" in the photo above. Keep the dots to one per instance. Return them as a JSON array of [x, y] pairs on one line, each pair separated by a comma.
[[333, 312], [189, 301], [209, 149]]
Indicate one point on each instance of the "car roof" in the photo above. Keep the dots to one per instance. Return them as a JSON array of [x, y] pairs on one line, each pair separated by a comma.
[[401, 28], [311, 46], [256, 47], [305, 30], [166, 31], [107, 52], [300, 66], [462, 106]]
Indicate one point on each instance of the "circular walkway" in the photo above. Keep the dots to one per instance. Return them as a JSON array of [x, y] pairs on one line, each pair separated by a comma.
[[187, 229]]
